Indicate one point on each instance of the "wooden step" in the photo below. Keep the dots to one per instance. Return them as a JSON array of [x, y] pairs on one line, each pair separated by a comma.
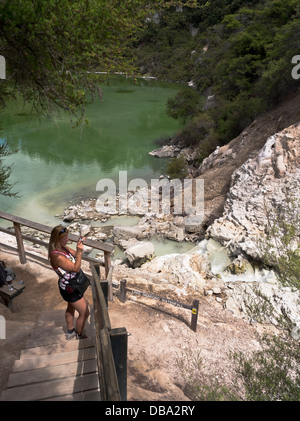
[[52, 316], [57, 317], [46, 340], [52, 372], [57, 348], [52, 388], [53, 368], [54, 359], [49, 328], [91, 395], [51, 335]]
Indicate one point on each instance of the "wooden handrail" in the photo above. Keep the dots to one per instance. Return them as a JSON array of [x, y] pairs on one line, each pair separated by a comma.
[[108, 377], [18, 222], [45, 228]]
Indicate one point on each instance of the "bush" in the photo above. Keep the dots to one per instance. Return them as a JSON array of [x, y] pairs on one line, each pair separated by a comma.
[[281, 246], [195, 131], [177, 168], [185, 105], [272, 374], [199, 385]]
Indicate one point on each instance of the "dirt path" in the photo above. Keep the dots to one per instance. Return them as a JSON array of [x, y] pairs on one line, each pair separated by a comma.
[[159, 333]]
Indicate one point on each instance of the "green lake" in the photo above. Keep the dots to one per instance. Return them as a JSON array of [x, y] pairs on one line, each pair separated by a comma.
[[56, 163]]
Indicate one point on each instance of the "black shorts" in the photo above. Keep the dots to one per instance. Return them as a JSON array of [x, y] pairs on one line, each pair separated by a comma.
[[70, 297]]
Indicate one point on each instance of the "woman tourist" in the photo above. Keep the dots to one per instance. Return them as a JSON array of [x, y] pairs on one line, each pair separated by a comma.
[[66, 263]]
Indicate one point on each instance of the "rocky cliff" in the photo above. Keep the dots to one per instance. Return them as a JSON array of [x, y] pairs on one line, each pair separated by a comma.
[[261, 184]]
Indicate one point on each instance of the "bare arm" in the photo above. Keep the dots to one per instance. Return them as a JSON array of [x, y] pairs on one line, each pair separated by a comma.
[[63, 262]]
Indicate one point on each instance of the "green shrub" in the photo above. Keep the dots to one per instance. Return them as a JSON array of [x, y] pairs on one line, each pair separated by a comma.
[[272, 374], [281, 247], [185, 105], [177, 168]]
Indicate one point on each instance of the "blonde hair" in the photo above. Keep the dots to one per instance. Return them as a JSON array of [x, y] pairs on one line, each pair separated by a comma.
[[54, 237]]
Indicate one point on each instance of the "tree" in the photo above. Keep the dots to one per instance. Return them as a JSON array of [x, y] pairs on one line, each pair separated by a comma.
[[177, 168], [5, 171], [56, 49], [52, 48], [186, 104]]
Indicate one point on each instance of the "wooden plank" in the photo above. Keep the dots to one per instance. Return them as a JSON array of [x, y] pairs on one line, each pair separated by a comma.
[[99, 303], [44, 228], [57, 348], [158, 298], [107, 262], [109, 280], [119, 344], [51, 389], [91, 395], [26, 222], [54, 359], [45, 340], [112, 391], [47, 328], [51, 315], [20, 243], [46, 261], [51, 373], [5, 292]]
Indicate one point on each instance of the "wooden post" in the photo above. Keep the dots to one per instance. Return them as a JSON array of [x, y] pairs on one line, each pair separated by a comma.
[[98, 271], [123, 290], [119, 344], [20, 244], [195, 308], [104, 286], [109, 283], [112, 391], [107, 262]]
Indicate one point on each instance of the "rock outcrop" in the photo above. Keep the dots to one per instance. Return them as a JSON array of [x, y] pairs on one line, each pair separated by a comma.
[[226, 258], [262, 183], [140, 253]]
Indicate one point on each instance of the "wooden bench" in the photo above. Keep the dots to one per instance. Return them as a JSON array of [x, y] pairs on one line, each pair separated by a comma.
[[8, 295]]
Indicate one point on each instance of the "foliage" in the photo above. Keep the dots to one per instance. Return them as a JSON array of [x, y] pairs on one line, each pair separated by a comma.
[[198, 384], [57, 52], [272, 374], [185, 105], [200, 133], [241, 53], [49, 47], [5, 171], [281, 246], [177, 168]]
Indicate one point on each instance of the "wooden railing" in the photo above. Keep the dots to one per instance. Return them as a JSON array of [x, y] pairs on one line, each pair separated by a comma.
[[111, 344], [194, 307], [20, 237]]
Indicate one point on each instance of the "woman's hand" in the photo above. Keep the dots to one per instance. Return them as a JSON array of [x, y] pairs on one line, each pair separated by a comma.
[[80, 245]]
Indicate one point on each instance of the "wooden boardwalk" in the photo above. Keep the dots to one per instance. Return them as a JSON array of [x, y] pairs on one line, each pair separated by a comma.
[[52, 368]]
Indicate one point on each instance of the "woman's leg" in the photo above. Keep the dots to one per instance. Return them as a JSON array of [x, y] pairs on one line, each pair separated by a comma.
[[69, 315], [83, 309]]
